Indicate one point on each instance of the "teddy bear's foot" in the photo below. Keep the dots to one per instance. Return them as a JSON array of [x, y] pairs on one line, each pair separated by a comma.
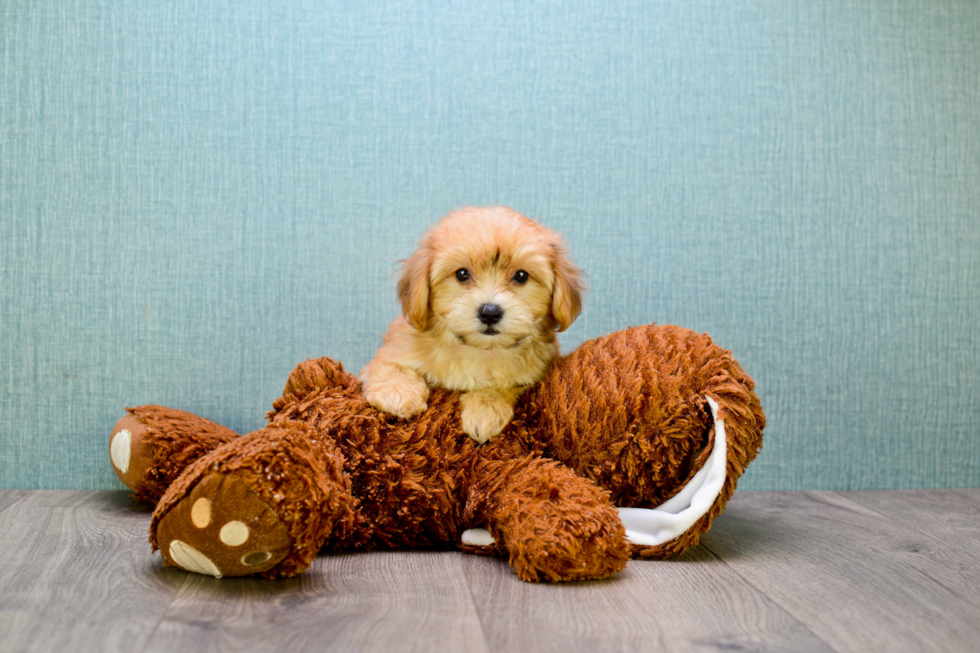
[[262, 504], [589, 549], [152, 445], [554, 525], [223, 528]]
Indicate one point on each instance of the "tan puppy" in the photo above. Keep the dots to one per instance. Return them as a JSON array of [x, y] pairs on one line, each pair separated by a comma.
[[481, 300]]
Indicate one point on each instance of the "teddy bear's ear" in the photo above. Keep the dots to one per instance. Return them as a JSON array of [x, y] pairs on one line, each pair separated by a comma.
[[413, 287], [566, 295]]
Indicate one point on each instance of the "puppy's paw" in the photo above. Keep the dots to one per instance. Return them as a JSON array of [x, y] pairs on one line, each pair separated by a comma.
[[401, 399], [485, 413]]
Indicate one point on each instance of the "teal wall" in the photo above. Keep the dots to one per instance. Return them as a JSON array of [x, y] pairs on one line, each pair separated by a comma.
[[196, 196]]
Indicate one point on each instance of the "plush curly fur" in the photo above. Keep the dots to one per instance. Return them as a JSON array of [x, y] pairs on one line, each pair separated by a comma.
[[621, 421]]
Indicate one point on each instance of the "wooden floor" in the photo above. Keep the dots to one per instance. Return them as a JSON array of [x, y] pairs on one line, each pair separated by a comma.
[[814, 571]]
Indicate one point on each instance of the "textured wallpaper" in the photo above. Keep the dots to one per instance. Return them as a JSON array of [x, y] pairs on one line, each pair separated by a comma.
[[196, 196]]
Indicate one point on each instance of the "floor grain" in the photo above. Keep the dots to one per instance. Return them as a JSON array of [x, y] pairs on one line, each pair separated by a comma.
[[859, 580], [385, 601], [817, 571], [9, 497], [952, 516], [77, 574], [691, 603]]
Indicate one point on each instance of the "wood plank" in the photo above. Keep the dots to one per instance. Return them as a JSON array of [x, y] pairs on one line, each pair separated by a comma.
[[952, 516], [859, 580], [9, 497], [895, 570], [970, 492], [78, 574], [691, 603], [386, 601]]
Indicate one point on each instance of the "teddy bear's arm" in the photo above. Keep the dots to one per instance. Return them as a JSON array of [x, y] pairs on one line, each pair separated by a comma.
[[152, 445]]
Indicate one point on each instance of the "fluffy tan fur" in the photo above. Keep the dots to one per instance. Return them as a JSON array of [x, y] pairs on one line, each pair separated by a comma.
[[440, 342]]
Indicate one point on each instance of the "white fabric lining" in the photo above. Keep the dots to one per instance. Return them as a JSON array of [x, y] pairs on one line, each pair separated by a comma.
[[672, 518]]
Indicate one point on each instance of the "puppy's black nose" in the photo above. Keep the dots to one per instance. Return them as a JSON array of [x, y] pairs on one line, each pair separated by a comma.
[[490, 313]]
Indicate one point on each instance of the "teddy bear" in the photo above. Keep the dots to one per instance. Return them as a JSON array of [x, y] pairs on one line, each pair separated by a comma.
[[630, 447]]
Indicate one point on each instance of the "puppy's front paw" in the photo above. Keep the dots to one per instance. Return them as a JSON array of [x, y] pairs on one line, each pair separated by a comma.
[[402, 400], [485, 413]]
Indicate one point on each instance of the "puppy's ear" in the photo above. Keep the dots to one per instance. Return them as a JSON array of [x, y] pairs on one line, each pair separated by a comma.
[[566, 296], [413, 287]]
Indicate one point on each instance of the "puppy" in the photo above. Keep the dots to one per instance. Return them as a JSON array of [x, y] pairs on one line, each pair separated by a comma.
[[481, 300]]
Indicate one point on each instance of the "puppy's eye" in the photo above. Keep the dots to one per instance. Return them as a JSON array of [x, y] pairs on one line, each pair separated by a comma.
[[521, 276], [462, 274]]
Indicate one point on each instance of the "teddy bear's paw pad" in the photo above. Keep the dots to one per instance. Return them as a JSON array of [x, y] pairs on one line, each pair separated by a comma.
[[120, 449], [130, 458], [190, 559], [223, 528], [478, 537], [479, 541]]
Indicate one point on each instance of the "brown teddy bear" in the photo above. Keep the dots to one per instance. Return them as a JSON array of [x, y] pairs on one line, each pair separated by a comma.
[[656, 420]]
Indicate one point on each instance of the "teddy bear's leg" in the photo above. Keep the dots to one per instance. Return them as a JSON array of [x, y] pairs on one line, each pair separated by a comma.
[[639, 413], [262, 504], [152, 445], [554, 525]]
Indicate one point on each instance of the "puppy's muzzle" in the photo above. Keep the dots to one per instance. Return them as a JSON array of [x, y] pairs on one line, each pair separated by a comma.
[[490, 314]]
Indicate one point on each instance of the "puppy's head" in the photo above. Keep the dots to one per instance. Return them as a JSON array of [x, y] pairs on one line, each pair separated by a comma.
[[491, 277]]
